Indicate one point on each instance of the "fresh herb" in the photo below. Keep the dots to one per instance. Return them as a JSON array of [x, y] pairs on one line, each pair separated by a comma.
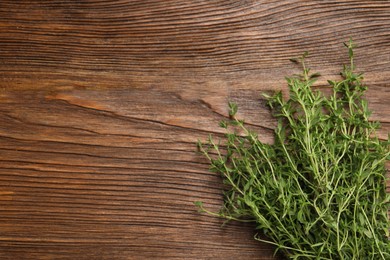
[[318, 192]]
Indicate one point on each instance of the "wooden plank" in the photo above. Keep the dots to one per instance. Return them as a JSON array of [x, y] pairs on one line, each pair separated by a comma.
[[101, 103]]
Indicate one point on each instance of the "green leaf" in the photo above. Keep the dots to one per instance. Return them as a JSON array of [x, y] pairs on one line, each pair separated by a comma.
[[315, 75], [198, 203], [223, 124], [232, 109], [368, 233]]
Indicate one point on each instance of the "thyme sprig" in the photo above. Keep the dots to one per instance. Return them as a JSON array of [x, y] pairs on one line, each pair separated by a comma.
[[319, 191]]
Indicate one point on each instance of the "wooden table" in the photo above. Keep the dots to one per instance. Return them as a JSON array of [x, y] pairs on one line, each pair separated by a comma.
[[102, 102]]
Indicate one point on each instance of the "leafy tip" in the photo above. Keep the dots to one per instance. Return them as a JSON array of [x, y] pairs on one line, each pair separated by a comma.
[[232, 109]]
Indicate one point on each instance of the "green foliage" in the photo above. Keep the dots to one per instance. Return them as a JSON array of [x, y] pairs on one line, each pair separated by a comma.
[[318, 192]]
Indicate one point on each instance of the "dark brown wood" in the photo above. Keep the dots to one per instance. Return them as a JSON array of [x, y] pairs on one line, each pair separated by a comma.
[[101, 103]]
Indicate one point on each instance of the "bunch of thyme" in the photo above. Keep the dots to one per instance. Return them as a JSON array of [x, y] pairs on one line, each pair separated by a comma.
[[319, 191]]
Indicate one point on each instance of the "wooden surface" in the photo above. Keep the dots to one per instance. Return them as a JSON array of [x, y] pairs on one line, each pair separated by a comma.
[[101, 103]]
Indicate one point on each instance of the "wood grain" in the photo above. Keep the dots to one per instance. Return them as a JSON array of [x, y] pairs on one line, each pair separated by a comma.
[[101, 103]]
